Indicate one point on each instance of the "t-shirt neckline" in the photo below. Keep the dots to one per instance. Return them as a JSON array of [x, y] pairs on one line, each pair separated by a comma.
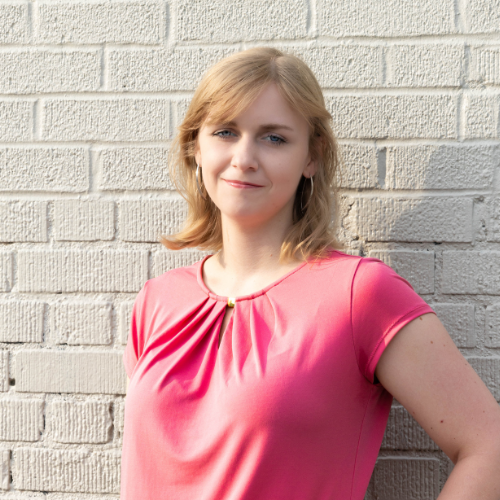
[[199, 276]]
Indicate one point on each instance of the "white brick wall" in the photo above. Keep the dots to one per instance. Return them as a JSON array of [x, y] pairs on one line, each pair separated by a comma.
[[90, 94], [21, 321], [79, 422], [89, 220], [80, 323], [44, 168]]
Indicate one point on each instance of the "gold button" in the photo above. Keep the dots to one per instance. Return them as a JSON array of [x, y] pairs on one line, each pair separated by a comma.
[[231, 301]]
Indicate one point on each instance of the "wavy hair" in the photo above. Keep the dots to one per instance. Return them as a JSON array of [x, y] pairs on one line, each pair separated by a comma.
[[227, 89]]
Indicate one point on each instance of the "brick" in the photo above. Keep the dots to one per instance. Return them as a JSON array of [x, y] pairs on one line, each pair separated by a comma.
[[179, 110], [84, 323], [16, 120], [4, 370], [6, 271], [89, 220], [21, 419], [483, 16], [492, 326], [471, 272], [403, 432], [394, 116], [23, 221], [66, 470], [161, 69], [70, 270], [14, 22], [79, 422], [459, 320], [44, 169], [441, 166], [165, 260], [494, 219], [111, 119], [406, 478], [411, 219], [481, 218], [4, 469], [28, 71], [147, 220], [198, 20], [485, 65], [119, 414], [87, 372], [21, 321], [429, 65], [125, 319], [416, 267], [134, 169], [101, 22], [489, 371], [342, 65], [359, 169], [346, 18], [480, 116]]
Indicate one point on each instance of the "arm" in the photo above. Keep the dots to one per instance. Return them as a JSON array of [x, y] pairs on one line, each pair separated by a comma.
[[423, 369], [126, 389]]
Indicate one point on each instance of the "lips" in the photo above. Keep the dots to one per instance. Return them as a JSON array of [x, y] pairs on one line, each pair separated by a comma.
[[241, 184]]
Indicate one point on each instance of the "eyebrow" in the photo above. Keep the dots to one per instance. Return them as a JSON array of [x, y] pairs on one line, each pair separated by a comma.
[[267, 126]]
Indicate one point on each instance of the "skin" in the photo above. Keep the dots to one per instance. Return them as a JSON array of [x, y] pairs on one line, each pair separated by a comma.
[[421, 367]]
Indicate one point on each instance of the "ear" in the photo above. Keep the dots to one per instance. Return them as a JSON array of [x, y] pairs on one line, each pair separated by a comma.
[[315, 147], [310, 168]]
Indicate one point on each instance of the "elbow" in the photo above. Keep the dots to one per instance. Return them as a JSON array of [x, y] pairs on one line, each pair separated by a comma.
[[487, 450]]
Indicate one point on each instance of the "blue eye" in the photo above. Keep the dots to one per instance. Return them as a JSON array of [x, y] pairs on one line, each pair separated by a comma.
[[223, 134], [275, 139]]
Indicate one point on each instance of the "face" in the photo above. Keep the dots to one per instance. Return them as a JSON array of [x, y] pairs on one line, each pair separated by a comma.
[[252, 166]]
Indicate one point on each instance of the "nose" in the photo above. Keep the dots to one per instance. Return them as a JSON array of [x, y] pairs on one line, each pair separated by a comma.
[[245, 154]]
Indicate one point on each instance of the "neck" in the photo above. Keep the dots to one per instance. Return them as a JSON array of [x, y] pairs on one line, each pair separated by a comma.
[[255, 249]]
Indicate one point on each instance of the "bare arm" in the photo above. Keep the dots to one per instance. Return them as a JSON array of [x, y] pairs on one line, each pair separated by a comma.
[[423, 369]]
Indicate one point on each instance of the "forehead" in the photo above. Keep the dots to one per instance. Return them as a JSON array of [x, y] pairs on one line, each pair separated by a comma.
[[268, 107]]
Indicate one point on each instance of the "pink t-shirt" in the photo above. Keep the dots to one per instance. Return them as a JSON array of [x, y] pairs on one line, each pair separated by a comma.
[[286, 408]]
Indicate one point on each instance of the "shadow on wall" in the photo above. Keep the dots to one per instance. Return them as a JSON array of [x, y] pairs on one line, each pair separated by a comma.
[[403, 212], [418, 204]]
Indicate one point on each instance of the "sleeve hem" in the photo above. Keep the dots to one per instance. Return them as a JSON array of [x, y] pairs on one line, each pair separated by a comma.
[[390, 334]]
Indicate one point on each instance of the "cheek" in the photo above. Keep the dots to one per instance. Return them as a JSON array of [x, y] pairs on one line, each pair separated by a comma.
[[213, 161], [215, 155], [286, 175]]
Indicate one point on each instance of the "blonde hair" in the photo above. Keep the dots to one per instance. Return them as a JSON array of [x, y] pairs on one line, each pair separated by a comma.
[[226, 90]]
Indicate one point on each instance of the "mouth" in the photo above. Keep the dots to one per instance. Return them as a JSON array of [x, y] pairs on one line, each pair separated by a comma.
[[240, 184]]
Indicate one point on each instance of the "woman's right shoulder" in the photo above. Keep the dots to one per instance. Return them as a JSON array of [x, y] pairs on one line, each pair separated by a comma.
[[171, 281]]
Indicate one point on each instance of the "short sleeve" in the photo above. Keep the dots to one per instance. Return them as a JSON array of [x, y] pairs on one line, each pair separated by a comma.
[[382, 302], [137, 333]]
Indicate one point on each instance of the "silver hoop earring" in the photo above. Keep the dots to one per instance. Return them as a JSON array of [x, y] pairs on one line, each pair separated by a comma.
[[310, 195], [198, 182]]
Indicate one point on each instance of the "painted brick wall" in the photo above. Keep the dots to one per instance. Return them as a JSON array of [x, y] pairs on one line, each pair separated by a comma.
[[90, 94]]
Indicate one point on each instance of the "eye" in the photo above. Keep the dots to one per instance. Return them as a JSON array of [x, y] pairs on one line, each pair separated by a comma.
[[275, 139], [223, 134]]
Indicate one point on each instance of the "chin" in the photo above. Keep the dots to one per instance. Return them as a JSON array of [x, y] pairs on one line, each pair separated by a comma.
[[244, 213]]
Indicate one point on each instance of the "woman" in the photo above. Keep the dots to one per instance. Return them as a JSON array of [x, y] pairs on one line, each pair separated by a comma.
[[267, 370]]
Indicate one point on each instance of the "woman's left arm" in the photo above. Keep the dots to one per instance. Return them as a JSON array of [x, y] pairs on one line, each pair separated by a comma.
[[423, 369]]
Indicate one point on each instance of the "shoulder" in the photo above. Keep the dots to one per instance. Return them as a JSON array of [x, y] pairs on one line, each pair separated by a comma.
[[372, 275], [338, 262], [169, 281]]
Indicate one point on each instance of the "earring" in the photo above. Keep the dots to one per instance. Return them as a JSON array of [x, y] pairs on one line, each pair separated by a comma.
[[310, 195], [198, 183]]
